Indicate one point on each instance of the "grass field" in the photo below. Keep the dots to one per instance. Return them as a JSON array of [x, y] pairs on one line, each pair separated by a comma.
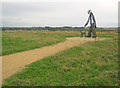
[[17, 41], [91, 64]]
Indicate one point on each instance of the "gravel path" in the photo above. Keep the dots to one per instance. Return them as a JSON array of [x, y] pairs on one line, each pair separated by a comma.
[[15, 62]]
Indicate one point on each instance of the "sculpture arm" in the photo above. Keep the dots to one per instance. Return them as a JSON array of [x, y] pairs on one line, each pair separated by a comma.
[[87, 22]]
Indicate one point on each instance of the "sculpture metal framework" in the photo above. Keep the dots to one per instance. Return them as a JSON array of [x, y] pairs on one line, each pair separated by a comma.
[[92, 24]]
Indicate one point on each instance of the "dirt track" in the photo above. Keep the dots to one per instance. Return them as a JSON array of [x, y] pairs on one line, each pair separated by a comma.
[[15, 62]]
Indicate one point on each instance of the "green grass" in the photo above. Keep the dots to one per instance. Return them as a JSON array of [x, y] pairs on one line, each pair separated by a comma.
[[91, 64], [17, 41]]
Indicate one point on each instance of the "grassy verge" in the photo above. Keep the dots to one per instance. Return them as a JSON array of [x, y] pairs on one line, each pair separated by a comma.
[[91, 64], [17, 41]]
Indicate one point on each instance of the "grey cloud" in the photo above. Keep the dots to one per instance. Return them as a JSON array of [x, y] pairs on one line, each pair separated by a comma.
[[58, 13]]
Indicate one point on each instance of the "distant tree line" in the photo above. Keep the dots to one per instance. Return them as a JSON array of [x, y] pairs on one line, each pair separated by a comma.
[[47, 28]]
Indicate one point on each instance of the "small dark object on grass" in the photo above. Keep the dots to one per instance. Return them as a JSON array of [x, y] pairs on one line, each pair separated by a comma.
[[83, 33]]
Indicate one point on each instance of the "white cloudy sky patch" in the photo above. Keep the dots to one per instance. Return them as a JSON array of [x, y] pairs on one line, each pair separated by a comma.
[[59, 13]]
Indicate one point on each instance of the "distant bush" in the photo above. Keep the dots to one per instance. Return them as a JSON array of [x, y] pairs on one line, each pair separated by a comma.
[[47, 28]]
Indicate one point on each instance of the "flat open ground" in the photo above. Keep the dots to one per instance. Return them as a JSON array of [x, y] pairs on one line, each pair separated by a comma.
[[15, 62], [30, 59]]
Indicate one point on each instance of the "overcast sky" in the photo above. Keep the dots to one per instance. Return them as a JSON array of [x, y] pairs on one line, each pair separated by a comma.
[[59, 13]]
